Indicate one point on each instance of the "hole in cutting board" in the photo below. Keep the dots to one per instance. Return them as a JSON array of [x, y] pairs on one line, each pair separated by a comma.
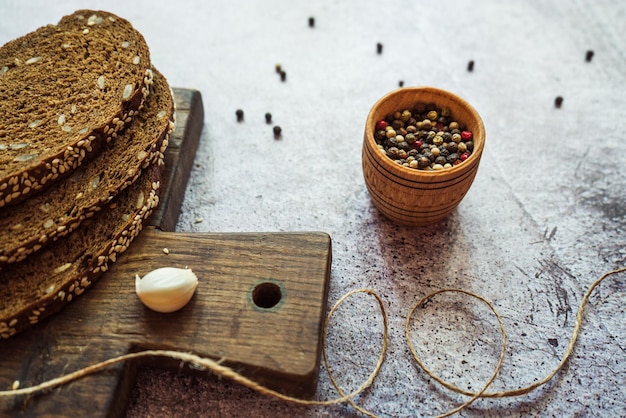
[[267, 295]]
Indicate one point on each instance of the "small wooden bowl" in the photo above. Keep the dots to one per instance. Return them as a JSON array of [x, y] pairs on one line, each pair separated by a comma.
[[417, 197]]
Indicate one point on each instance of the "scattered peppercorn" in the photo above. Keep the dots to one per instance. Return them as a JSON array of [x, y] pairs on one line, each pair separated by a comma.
[[268, 117], [400, 83], [311, 22], [379, 48], [424, 138], [470, 66], [589, 56], [277, 131], [279, 68], [558, 102], [239, 114], [283, 76]]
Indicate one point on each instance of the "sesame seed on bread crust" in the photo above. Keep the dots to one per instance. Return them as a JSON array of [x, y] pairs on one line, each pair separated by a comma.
[[65, 90], [47, 216], [47, 280]]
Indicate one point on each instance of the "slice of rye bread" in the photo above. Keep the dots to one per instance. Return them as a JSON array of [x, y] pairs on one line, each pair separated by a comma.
[[46, 281], [64, 90], [43, 218]]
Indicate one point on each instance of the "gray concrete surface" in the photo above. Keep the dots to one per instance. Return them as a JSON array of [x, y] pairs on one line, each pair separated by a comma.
[[545, 217]]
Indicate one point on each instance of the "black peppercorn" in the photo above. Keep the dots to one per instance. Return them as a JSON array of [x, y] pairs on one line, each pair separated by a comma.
[[400, 83], [470, 66], [268, 117], [452, 146], [397, 124], [589, 56], [440, 160], [392, 153], [558, 101], [283, 76], [239, 114], [380, 136], [277, 131], [423, 162], [311, 22], [452, 157], [379, 48]]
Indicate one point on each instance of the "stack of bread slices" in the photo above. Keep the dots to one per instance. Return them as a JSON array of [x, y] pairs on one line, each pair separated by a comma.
[[84, 122]]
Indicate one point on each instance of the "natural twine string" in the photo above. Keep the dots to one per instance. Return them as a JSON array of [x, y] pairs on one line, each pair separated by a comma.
[[217, 368]]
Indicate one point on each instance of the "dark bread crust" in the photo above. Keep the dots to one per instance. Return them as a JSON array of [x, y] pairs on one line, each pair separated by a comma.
[[42, 219], [42, 284], [66, 90]]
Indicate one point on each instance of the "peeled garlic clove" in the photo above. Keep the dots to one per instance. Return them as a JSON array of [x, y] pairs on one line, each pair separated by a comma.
[[166, 289]]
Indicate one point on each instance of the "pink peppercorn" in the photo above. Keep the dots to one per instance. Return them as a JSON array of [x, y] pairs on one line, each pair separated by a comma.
[[417, 144], [466, 135], [464, 156], [381, 125]]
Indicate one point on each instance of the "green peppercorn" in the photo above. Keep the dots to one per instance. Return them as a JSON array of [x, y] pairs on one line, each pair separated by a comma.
[[447, 165], [432, 115], [411, 129], [453, 125], [462, 147], [435, 151], [414, 164], [437, 167], [456, 138], [402, 154], [437, 140], [391, 133], [427, 124], [410, 138], [406, 115], [445, 111]]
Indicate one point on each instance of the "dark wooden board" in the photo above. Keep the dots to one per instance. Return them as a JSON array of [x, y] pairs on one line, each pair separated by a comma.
[[260, 304]]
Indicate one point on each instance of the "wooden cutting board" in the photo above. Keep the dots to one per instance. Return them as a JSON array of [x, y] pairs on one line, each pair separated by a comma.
[[260, 304]]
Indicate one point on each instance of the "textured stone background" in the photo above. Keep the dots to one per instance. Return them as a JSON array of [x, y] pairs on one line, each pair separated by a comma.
[[545, 217]]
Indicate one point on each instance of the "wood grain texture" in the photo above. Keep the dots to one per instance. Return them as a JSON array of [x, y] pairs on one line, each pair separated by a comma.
[[259, 305]]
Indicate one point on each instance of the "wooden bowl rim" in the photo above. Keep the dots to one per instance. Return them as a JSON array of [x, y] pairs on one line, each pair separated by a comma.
[[383, 159]]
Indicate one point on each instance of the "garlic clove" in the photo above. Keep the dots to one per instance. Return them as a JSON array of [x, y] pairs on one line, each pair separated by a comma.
[[166, 289]]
